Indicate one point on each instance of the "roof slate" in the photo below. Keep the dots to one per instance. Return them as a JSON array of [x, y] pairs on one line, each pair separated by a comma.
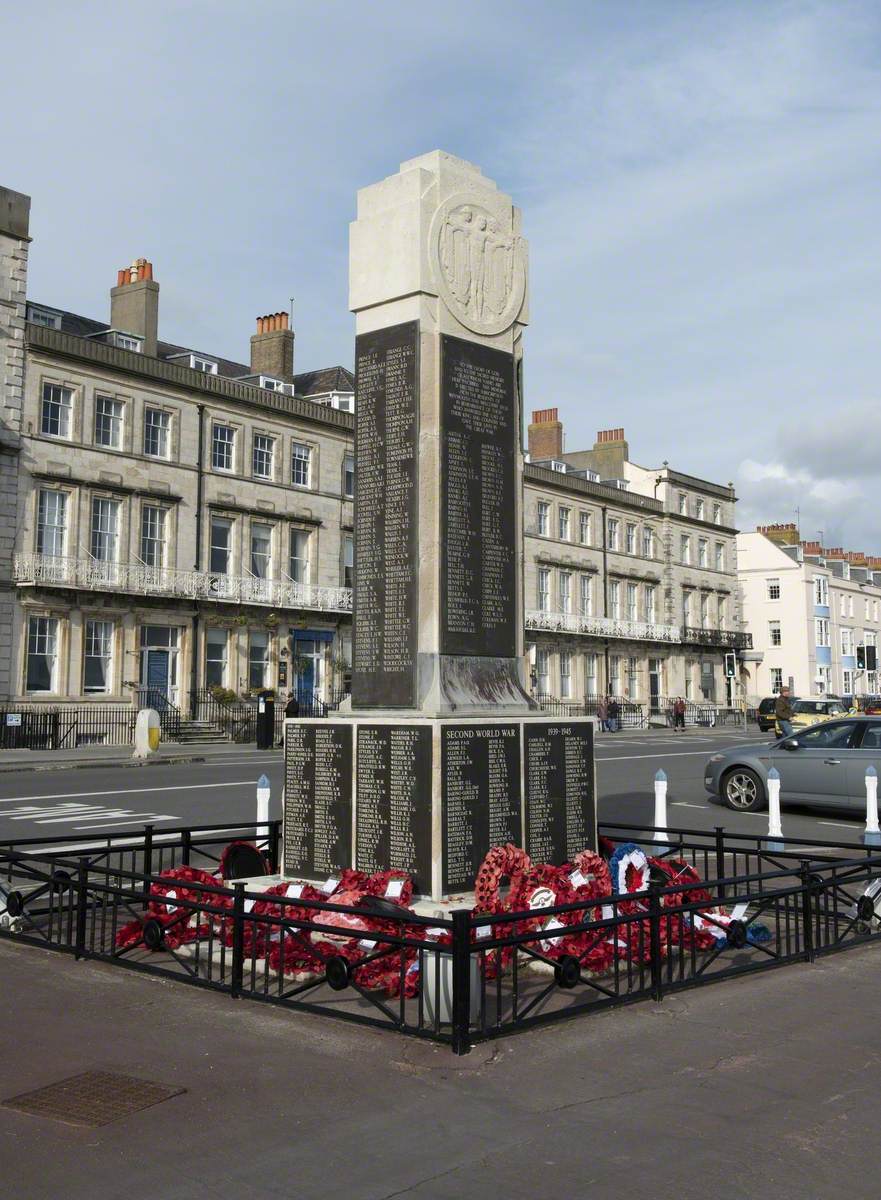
[[306, 383]]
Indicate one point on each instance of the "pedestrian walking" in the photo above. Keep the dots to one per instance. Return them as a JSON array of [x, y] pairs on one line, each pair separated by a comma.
[[603, 715], [783, 711], [679, 715], [614, 711], [292, 708]]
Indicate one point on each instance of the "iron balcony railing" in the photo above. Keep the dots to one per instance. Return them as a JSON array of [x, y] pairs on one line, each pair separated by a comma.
[[94, 575], [730, 639], [604, 627]]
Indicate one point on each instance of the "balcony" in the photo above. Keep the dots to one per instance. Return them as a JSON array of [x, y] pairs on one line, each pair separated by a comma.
[[727, 639], [137, 579], [602, 627]]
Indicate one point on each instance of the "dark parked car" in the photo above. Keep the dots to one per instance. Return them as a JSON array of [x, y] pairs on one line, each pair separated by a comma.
[[822, 765], [765, 714]]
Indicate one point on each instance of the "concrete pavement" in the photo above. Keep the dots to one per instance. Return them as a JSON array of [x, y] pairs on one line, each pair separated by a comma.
[[759, 1087]]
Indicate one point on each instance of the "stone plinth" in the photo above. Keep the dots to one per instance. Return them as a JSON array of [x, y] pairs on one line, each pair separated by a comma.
[[431, 796]]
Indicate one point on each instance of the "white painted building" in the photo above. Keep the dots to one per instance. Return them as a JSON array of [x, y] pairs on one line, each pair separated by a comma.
[[813, 613]]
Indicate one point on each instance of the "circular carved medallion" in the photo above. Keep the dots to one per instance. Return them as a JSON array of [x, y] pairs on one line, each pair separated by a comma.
[[479, 267]]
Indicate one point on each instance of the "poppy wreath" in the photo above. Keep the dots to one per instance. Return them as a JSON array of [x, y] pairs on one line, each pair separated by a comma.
[[262, 939], [588, 872], [180, 924], [501, 862], [303, 954], [543, 886], [630, 873]]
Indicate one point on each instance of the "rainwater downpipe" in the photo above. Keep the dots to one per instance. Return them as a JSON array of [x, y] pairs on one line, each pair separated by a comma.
[[197, 566]]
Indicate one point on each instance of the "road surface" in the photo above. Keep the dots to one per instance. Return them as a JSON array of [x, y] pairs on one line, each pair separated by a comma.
[[106, 800]]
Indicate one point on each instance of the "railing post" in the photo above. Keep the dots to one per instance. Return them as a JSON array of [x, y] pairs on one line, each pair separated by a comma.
[[148, 860], [238, 940], [186, 846], [461, 1024], [720, 859], [273, 840], [807, 909], [82, 900], [655, 941]]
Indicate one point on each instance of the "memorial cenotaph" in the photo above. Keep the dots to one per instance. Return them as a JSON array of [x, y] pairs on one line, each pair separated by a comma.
[[443, 753]]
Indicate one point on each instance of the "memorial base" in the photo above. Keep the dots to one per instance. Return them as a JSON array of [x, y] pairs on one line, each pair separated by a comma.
[[432, 796]]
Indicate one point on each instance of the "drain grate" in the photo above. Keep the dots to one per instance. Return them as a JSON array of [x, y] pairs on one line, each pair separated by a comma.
[[93, 1098]]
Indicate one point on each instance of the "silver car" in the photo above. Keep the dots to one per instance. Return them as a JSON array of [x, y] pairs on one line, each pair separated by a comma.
[[824, 765]]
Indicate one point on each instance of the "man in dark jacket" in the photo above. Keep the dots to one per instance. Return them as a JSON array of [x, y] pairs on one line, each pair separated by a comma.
[[292, 708], [784, 713]]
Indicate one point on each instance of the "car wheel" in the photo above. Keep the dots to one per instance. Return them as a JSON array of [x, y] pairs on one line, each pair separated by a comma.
[[743, 791]]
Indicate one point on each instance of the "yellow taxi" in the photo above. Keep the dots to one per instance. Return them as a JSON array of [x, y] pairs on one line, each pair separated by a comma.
[[811, 712]]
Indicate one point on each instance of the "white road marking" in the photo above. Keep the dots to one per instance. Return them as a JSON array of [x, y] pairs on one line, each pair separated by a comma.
[[179, 787], [110, 824], [843, 824], [665, 754]]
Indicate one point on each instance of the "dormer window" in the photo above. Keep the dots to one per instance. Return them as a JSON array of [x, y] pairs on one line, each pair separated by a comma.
[[208, 365], [43, 316], [556, 465], [127, 341], [271, 383]]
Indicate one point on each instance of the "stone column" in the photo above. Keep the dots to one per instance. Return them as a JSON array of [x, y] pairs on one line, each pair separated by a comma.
[[14, 242], [438, 285]]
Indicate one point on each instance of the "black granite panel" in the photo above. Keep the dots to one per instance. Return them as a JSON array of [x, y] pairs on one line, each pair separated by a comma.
[[318, 798], [480, 785], [560, 792], [386, 530], [478, 500], [393, 788]]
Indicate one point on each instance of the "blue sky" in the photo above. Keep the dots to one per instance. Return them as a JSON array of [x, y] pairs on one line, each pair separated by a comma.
[[700, 186]]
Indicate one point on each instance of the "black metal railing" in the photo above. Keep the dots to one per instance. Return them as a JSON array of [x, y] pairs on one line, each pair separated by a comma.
[[64, 727], [237, 718], [458, 979], [630, 714], [729, 639]]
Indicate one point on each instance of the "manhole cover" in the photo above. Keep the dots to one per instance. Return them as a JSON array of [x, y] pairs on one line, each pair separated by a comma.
[[93, 1098]]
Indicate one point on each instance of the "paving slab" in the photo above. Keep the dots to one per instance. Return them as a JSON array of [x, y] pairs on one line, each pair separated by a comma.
[[756, 1087]]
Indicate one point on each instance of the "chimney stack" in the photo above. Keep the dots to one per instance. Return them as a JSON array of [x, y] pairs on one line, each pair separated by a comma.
[[272, 347], [544, 435], [134, 303], [781, 535]]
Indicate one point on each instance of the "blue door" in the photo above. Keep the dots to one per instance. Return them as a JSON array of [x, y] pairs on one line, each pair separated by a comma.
[[305, 678], [157, 678]]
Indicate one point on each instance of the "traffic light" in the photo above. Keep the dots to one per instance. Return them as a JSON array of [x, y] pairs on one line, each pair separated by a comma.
[[861, 658], [871, 658], [730, 665]]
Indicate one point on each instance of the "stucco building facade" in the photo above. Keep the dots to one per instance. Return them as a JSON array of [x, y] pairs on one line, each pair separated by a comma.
[[813, 612]]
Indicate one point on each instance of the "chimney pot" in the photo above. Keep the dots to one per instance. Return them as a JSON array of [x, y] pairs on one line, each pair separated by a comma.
[[273, 356]]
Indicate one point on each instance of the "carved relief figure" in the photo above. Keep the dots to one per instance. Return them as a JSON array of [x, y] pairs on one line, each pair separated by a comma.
[[477, 261]]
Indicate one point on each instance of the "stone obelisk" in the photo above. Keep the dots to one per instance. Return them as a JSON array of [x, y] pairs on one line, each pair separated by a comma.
[[443, 753]]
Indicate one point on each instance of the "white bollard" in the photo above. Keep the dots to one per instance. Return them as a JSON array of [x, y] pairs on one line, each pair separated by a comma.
[[660, 821], [263, 794], [775, 830], [872, 835]]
